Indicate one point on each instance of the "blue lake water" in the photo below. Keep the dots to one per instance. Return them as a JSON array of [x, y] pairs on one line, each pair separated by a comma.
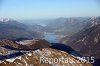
[[52, 38]]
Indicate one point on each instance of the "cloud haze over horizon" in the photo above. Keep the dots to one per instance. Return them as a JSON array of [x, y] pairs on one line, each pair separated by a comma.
[[34, 9]]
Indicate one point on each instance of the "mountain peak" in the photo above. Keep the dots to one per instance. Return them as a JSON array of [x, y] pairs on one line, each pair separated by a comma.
[[6, 20], [95, 21]]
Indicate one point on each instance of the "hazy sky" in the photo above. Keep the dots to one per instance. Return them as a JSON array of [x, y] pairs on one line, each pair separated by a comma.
[[34, 9]]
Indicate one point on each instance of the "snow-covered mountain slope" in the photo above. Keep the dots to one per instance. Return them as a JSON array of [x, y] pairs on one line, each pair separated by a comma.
[[44, 57]]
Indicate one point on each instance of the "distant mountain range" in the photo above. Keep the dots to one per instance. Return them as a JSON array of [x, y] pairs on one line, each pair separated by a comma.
[[62, 26], [66, 26], [11, 29]]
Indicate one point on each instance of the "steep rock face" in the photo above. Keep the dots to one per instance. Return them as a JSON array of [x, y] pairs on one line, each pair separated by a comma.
[[33, 58], [86, 41]]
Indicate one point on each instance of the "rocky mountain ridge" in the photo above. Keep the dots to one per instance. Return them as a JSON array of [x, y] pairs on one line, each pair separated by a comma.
[[35, 58]]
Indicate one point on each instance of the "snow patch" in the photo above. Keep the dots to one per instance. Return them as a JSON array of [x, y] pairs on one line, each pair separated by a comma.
[[29, 54]]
